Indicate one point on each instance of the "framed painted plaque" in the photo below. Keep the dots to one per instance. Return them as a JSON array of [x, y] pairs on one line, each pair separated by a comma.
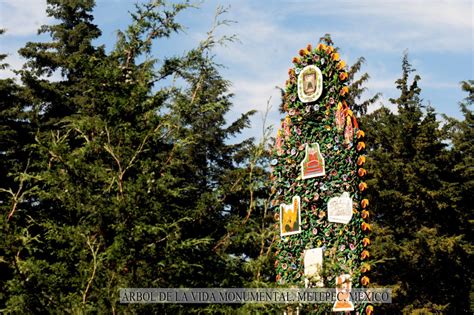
[[290, 217], [313, 264], [343, 293], [313, 162], [310, 84], [340, 209]]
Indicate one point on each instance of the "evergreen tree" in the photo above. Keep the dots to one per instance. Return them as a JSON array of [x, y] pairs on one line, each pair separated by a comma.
[[135, 186], [463, 160], [417, 232], [15, 135]]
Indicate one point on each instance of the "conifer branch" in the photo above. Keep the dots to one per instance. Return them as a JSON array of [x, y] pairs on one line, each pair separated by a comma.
[[94, 268]]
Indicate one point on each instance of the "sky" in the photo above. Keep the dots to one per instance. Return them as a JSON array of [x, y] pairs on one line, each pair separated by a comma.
[[438, 36]]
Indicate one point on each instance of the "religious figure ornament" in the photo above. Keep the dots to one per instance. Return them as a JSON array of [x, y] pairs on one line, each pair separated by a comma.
[[319, 182], [310, 84]]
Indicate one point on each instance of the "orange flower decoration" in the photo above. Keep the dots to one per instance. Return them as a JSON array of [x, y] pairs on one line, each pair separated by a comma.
[[341, 65], [361, 160], [366, 226], [291, 72], [365, 280], [329, 49], [365, 214], [360, 134], [344, 91], [321, 46], [365, 268], [362, 186], [369, 310], [361, 172], [309, 47], [343, 76], [335, 56], [364, 203], [303, 52], [365, 254], [296, 60], [360, 146], [366, 242]]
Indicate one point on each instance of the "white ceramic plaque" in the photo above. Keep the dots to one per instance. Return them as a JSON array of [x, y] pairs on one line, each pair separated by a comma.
[[313, 264], [340, 209]]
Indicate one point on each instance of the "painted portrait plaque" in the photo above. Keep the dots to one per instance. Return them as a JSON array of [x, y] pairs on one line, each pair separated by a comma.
[[290, 217], [310, 84]]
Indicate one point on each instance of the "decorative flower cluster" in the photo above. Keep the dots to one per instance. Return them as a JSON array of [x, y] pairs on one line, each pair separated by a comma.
[[329, 122]]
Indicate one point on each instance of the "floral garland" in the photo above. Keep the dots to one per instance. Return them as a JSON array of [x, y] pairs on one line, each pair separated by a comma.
[[329, 122]]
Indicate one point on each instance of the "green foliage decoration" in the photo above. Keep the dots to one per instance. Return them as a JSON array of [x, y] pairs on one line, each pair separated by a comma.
[[343, 152]]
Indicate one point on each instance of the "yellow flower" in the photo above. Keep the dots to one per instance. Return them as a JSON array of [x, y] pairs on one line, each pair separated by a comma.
[[365, 268], [366, 242], [296, 60], [335, 56], [369, 310], [360, 146], [341, 65], [309, 47], [365, 214], [343, 76], [365, 280], [344, 91], [361, 172], [364, 203], [361, 160], [321, 46], [360, 134], [365, 254], [329, 49], [303, 52], [362, 186], [366, 226]]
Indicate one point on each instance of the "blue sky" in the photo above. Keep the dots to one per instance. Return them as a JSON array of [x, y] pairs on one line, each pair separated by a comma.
[[437, 34]]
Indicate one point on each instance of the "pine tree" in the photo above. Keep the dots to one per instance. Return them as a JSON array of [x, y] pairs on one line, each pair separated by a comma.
[[15, 135], [463, 156], [134, 182], [417, 239]]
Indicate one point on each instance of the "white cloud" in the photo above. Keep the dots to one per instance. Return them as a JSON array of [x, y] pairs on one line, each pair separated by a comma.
[[15, 62], [434, 25], [22, 17]]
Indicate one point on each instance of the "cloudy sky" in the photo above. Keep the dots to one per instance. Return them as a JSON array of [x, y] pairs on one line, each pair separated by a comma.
[[438, 36]]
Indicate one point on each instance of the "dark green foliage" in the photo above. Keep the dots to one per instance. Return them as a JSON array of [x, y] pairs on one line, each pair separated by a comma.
[[131, 186], [420, 222]]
